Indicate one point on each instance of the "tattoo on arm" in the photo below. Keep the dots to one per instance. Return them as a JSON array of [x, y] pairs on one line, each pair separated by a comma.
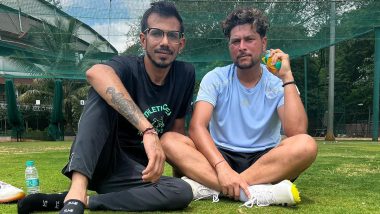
[[125, 107]]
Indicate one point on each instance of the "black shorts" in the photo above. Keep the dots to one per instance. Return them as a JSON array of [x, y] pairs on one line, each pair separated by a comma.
[[241, 161]]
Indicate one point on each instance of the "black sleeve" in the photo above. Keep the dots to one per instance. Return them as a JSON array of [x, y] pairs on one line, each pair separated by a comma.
[[189, 91], [123, 66]]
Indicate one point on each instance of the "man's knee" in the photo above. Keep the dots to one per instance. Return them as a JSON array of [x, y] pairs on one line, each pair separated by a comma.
[[171, 140], [307, 148]]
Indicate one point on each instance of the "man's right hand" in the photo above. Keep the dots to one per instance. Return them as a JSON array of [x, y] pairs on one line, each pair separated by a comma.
[[231, 181], [156, 157]]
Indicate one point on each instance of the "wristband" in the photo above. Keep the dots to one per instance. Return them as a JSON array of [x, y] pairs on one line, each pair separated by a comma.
[[149, 130], [152, 131], [218, 163], [288, 83]]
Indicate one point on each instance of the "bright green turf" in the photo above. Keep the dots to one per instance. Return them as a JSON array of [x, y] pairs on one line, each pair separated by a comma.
[[344, 179]]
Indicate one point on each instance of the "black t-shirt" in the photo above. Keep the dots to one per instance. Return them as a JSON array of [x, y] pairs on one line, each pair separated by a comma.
[[160, 104]]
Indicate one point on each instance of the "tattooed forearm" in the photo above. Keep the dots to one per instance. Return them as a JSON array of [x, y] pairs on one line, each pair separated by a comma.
[[126, 107]]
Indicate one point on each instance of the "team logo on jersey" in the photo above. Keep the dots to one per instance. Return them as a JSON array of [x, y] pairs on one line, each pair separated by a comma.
[[156, 115], [155, 109]]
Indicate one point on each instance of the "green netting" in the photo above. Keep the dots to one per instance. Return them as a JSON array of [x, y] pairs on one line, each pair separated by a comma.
[[39, 40], [297, 27]]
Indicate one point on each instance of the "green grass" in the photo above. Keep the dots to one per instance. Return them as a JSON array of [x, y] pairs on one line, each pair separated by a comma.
[[344, 179]]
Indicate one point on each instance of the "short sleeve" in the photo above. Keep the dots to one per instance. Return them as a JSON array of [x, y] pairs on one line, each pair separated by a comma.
[[208, 89], [122, 65]]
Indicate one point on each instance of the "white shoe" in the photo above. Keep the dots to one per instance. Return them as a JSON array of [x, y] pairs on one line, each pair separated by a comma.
[[284, 193], [200, 191], [9, 193]]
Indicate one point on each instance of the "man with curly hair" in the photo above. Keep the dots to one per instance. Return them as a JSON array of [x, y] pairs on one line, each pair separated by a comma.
[[235, 147]]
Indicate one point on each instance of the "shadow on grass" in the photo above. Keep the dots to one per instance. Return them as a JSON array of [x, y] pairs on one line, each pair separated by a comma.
[[306, 200]]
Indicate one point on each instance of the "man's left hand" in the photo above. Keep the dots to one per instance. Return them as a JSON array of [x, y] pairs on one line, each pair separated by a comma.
[[285, 73], [156, 158]]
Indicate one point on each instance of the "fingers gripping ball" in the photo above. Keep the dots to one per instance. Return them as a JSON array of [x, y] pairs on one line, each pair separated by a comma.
[[267, 60]]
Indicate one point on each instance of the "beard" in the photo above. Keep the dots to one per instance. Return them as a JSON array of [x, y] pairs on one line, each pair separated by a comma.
[[160, 63], [246, 65]]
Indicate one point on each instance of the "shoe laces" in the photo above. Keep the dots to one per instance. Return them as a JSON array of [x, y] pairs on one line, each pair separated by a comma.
[[260, 197], [205, 192]]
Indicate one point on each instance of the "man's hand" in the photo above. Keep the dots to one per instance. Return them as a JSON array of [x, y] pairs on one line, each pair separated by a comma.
[[231, 181], [285, 73], [156, 157]]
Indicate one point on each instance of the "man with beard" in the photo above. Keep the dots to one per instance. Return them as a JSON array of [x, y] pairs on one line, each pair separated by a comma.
[[236, 148], [133, 102]]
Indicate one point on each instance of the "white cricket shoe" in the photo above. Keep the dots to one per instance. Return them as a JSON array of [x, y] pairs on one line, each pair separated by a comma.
[[9, 193], [200, 191], [284, 193]]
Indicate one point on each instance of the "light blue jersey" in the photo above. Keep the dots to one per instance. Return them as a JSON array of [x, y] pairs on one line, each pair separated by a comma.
[[244, 119]]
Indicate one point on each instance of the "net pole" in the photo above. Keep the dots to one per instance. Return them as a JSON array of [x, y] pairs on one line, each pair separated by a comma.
[[109, 20], [305, 81], [19, 17], [375, 116], [330, 122]]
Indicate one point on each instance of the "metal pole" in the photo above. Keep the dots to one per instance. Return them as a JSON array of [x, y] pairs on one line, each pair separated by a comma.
[[369, 122], [375, 116], [109, 20], [330, 123], [305, 71], [19, 16]]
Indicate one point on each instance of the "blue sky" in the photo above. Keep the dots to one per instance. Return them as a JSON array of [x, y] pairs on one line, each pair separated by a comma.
[[112, 19]]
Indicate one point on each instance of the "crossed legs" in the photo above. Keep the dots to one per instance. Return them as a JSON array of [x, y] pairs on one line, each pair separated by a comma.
[[286, 161]]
